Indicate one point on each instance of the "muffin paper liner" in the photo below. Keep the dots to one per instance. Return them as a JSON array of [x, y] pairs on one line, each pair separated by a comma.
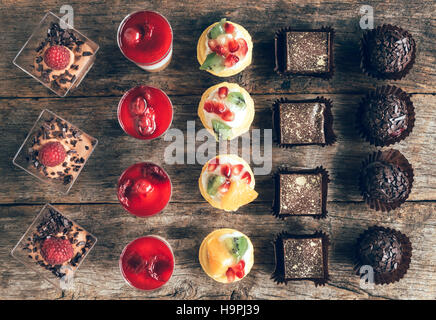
[[278, 275], [275, 210], [388, 277], [384, 91], [365, 64], [280, 52], [329, 134], [394, 157]]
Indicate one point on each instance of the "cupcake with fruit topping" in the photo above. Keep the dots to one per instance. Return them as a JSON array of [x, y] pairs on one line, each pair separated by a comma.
[[226, 255], [224, 49], [227, 182], [226, 110]]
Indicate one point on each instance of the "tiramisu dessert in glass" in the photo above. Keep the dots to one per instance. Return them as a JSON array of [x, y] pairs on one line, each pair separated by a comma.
[[54, 246], [144, 189], [145, 112], [147, 263], [146, 39], [57, 57], [55, 151]]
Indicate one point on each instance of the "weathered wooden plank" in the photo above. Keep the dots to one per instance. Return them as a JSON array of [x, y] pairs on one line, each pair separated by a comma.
[[112, 74], [116, 151], [99, 276]]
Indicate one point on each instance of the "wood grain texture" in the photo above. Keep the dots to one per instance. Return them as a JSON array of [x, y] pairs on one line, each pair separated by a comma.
[[188, 218], [99, 276], [112, 74]]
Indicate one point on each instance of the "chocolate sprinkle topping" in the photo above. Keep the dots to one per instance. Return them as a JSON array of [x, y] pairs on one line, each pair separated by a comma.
[[384, 181], [388, 52], [380, 249]]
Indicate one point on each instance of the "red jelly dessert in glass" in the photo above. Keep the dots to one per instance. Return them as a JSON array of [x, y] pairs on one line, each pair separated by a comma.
[[145, 112], [147, 263], [144, 189], [146, 38]]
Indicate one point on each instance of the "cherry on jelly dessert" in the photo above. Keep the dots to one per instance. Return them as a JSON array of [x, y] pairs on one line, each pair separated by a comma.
[[146, 38], [145, 112], [147, 263], [144, 189]]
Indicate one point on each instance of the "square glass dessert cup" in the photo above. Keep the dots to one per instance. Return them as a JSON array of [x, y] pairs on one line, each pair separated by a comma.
[[49, 234], [55, 151], [58, 58]]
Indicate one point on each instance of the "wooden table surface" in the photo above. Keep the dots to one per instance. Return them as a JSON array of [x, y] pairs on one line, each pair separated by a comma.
[[92, 202]]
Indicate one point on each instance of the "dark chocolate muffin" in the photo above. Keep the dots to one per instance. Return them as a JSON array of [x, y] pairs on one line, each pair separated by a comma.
[[385, 180], [387, 251], [386, 116], [388, 52]]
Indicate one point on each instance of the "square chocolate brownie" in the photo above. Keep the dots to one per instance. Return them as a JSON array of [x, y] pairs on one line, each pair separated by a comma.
[[301, 257], [304, 52], [300, 194], [307, 52], [302, 123]]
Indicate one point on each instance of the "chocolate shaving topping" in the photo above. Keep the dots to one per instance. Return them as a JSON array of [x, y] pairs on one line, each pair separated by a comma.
[[381, 250], [385, 117], [384, 181]]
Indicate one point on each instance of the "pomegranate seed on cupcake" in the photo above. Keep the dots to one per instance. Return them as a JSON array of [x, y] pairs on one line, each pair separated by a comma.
[[226, 110], [224, 49]]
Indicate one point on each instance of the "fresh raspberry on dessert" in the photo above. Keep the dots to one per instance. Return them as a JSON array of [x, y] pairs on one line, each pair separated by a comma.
[[52, 154], [57, 57], [56, 250]]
